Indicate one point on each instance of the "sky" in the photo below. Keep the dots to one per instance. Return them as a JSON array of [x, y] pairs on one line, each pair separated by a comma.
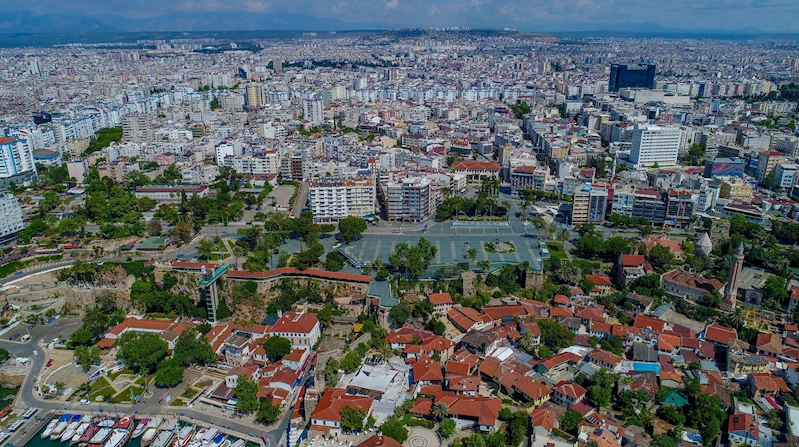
[[527, 15]]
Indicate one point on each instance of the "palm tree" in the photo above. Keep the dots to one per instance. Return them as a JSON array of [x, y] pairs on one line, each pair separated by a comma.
[[563, 235], [446, 192], [738, 317], [526, 341], [440, 411], [384, 351], [239, 251]]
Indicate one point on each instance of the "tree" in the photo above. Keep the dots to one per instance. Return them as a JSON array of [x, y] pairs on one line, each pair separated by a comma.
[[554, 336], [446, 428], [599, 396], [738, 317], [484, 265], [474, 440], [400, 312], [86, 356], [352, 419], [774, 420], [334, 261], [267, 412], [351, 361], [169, 373], [3, 354], [395, 430], [661, 257], [569, 421], [351, 228], [776, 290], [276, 347], [183, 231], [205, 249], [440, 411], [141, 351], [191, 349], [246, 395]]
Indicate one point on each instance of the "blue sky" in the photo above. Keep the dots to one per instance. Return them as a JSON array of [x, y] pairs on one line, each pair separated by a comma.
[[565, 15]]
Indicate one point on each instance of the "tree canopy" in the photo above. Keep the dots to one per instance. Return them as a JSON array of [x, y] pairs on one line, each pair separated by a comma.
[[277, 347], [351, 228], [169, 373], [141, 351]]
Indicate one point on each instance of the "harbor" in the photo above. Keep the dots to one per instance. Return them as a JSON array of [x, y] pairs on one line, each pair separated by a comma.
[[86, 430]]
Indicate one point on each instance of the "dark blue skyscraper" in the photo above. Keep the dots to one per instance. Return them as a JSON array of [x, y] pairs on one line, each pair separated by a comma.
[[631, 76]]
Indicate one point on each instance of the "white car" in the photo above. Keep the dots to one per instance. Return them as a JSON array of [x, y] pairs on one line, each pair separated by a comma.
[[84, 402]]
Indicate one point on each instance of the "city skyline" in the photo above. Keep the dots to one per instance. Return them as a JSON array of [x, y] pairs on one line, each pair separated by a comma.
[[774, 16]]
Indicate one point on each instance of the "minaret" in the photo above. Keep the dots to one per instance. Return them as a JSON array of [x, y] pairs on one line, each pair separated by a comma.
[[731, 291]]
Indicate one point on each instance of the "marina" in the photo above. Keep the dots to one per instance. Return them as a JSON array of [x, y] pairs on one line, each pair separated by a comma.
[[125, 431]]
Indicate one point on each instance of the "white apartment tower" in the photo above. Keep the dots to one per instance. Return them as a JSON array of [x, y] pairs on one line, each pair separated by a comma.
[[335, 199], [16, 157], [10, 217], [255, 95], [312, 110], [654, 144], [136, 128]]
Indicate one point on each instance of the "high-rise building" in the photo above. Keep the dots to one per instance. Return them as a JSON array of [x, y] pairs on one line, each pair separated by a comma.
[[34, 68], [277, 65], [731, 291], [255, 95], [312, 110], [334, 199], [16, 157], [409, 199], [653, 144], [631, 76], [10, 217], [589, 204], [136, 128], [766, 162]]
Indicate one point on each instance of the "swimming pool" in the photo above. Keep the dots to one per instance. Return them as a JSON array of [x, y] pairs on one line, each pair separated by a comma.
[[646, 367]]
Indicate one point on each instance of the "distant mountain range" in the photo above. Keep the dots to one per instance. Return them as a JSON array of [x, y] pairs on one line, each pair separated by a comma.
[[22, 22], [28, 22]]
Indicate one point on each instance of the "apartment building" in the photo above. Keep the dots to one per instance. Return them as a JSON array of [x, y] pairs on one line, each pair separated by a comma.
[[589, 204], [409, 200], [266, 164], [10, 217], [766, 162], [736, 189], [654, 145], [334, 199], [528, 177]]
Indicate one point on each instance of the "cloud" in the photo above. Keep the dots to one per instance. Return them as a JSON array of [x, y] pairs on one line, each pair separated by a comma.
[[532, 15]]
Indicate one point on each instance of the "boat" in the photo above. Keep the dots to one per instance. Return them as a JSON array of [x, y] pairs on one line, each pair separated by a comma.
[[106, 428], [140, 428], [226, 443], [217, 441], [79, 432], [74, 423], [239, 443], [49, 429], [91, 430], [151, 431], [164, 437], [209, 435], [184, 436], [197, 440], [63, 421], [122, 430]]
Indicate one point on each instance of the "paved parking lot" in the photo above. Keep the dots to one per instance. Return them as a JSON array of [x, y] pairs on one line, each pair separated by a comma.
[[61, 327]]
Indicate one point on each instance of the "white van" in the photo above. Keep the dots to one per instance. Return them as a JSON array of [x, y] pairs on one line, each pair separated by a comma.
[[25, 337]]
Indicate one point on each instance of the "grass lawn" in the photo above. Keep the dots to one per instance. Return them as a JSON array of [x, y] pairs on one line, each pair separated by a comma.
[[189, 393], [125, 395], [562, 434], [556, 250], [113, 376], [101, 387], [178, 403]]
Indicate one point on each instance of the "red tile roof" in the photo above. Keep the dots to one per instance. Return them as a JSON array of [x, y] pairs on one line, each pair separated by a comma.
[[333, 401], [484, 409], [301, 323], [533, 389], [440, 298], [720, 334], [632, 260], [570, 389], [427, 372]]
